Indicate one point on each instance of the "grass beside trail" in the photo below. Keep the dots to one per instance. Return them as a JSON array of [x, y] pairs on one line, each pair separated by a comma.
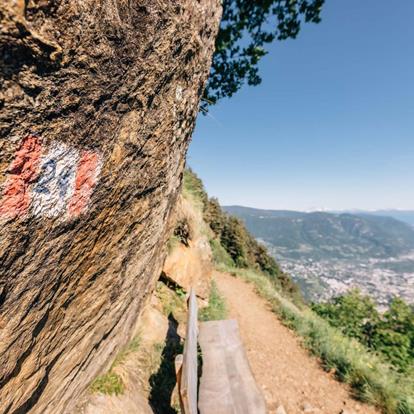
[[372, 380], [216, 309], [111, 383]]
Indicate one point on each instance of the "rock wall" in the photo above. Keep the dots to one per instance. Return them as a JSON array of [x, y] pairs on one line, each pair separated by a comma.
[[98, 102]]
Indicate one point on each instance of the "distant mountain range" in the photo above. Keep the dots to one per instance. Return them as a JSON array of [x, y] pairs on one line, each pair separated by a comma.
[[406, 216], [322, 235]]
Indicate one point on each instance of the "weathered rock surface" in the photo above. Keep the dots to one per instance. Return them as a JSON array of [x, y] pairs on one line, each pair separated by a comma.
[[130, 403], [135, 369], [98, 101]]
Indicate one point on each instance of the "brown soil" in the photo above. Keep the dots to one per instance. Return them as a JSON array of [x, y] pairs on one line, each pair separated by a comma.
[[287, 374]]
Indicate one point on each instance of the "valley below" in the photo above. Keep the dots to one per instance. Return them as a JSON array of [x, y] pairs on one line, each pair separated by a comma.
[[328, 254], [383, 279]]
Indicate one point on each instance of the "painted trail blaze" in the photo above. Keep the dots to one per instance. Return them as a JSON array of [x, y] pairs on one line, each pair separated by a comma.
[[58, 180], [86, 178], [55, 185], [23, 172]]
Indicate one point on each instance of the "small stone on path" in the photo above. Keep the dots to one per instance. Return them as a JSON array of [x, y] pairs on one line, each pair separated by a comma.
[[280, 410], [308, 409]]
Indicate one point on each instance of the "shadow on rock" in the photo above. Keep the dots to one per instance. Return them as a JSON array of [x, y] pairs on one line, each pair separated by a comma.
[[164, 380]]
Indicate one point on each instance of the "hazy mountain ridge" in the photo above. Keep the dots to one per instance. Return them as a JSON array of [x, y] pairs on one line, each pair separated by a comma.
[[328, 253], [322, 235], [406, 216]]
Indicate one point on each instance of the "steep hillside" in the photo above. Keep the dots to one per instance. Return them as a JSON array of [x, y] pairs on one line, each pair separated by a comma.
[[232, 243], [325, 235], [407, 216], [375, 360]]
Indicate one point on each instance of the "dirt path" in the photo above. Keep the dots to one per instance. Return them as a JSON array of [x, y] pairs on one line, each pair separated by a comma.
[[287, 374]]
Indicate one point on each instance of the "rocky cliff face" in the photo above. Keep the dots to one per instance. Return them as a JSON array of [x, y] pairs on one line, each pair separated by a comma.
[[98, 101]]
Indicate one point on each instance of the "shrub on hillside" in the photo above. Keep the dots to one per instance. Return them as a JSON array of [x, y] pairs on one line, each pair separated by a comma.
[[182, 232], [213, 215], [234, 239], [391, 334], [193, 187]]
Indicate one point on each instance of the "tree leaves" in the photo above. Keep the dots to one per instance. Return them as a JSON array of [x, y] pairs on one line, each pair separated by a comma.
[[246, 27], [390, 333]]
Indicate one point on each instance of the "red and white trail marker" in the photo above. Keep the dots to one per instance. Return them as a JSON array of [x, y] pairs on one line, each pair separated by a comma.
[[49, 182]]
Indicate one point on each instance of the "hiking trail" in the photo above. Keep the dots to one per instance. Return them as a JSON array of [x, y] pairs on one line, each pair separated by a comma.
[[287, 374]]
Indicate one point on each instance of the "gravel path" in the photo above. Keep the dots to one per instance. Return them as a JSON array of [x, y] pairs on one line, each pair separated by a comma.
[[285, 371]]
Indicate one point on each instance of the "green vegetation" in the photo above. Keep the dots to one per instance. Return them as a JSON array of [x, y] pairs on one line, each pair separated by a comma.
[[368, 351], [390, 334], [173, 301], [216, 309], [182, 232], [231, 243], [130, 348], [181, 235], [220, 254], [246, 27], [193, 190], [111, 383], [372, 379], [108, 384]]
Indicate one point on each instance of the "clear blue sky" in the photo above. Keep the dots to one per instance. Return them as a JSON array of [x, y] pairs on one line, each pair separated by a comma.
[[331, 126]]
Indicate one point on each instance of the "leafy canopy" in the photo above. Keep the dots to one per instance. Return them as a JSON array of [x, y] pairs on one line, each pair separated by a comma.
[[246, 27], [391, 333]]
